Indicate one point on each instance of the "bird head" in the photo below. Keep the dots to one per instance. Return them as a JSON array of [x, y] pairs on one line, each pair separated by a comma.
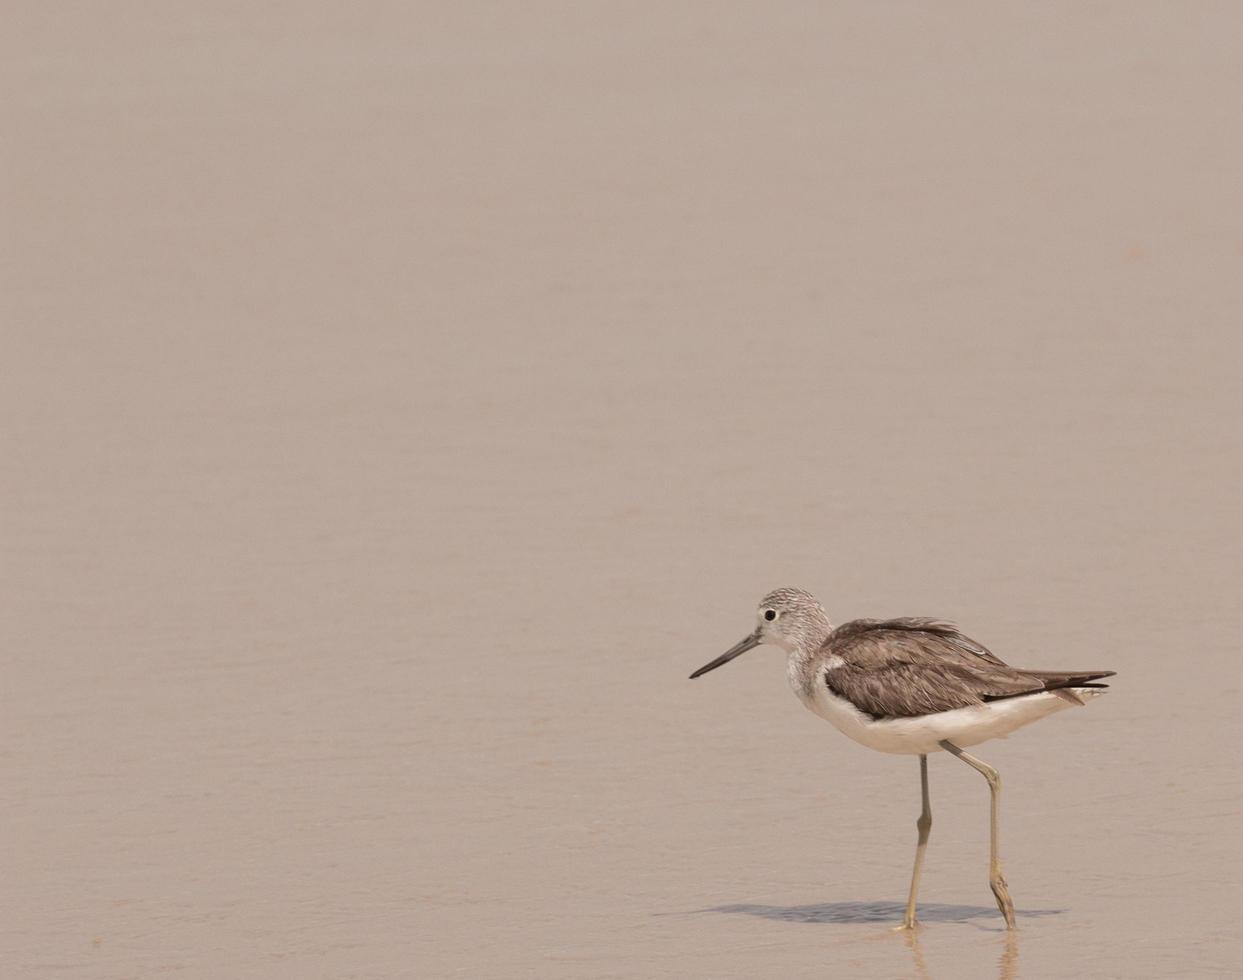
[[788, 618]]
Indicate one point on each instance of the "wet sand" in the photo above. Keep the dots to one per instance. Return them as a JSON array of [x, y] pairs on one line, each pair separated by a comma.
[[397, 404]]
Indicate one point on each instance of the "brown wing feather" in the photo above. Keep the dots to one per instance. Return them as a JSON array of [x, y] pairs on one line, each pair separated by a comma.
[[899, 668], [938, 631]]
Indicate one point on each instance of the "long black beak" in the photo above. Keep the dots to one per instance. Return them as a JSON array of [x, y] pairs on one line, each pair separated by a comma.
[[749, 643]]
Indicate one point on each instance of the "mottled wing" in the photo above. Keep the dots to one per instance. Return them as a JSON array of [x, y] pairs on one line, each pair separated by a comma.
[[941, 633], [899, 668]]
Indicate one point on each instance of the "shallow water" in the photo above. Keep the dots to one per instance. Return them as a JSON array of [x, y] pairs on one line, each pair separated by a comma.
[[398, 404]]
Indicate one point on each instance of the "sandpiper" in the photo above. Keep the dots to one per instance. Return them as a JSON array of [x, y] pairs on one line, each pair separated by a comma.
[[911, 686]]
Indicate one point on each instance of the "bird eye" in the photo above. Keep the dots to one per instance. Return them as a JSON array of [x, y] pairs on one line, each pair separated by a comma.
[[770, 614]]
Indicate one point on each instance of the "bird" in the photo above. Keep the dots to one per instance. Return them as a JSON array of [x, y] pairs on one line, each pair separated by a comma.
[[912, 686]]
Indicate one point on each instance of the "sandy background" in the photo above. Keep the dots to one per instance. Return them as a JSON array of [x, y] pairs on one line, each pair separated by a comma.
[[399, 400]]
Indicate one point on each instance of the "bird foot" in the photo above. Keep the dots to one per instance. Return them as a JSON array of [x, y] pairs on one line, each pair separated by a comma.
[[1002, 893]]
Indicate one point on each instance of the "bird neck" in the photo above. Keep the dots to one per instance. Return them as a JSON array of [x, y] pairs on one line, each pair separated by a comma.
[[801, 655], [811, 633]]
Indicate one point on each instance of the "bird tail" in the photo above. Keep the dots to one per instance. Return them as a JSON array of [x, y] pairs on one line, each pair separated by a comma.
[[1077, 687]]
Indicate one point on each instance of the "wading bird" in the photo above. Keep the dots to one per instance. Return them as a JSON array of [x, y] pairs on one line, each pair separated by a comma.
[[911, 686]]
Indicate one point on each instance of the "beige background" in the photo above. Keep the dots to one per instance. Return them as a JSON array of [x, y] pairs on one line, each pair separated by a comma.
[[399, 400]]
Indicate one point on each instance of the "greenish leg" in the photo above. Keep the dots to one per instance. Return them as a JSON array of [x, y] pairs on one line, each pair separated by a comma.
[[995, 879], [924, 825]]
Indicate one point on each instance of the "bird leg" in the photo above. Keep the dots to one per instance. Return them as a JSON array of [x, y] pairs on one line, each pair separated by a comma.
[[995, 879], [924, 825]]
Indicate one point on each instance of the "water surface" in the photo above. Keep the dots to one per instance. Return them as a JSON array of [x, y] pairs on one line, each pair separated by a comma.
[[398, 403]]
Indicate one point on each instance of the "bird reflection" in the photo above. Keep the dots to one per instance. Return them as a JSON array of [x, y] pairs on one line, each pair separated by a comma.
[[911, 938], [862, 913], [1007, 964]]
